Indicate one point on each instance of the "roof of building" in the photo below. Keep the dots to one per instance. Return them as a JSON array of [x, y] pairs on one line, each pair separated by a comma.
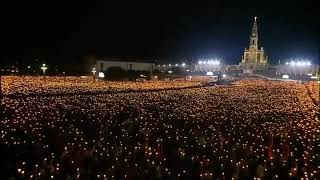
[[127, 59]]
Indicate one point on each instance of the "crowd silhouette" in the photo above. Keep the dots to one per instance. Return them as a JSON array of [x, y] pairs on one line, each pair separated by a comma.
[[52, 85], [254, 129]]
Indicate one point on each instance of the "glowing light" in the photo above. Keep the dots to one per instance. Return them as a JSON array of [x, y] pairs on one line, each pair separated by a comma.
[[93, 71], [209, 62], [183, 64], [44, 68], [292, 63], [299, 63], [101, 75], [209, 73], [285, 76]]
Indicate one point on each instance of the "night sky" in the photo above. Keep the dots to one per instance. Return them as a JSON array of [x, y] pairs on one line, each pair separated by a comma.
[[65, 31]]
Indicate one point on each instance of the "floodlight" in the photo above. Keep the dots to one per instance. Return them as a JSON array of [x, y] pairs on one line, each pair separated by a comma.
[[285, 76], [101, 75], [209, 73]]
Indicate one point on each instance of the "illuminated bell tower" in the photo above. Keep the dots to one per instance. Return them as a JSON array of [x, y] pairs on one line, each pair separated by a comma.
[[254, 36], [253, 57]]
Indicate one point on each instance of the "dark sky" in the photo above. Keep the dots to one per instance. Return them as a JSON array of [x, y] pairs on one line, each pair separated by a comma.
[[64, 31]]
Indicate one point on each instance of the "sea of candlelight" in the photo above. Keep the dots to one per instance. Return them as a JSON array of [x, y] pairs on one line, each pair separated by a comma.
[[257, 129]]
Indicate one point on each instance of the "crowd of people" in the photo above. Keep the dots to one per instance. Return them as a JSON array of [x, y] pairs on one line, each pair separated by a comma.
[[314, 91], [38, 85], [255, 129]]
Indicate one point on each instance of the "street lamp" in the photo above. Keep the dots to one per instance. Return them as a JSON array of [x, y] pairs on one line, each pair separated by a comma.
[[93, 72], [44, 68]]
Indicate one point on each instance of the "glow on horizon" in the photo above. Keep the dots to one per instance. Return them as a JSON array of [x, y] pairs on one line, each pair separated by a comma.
[[209, 62], [299, 63]]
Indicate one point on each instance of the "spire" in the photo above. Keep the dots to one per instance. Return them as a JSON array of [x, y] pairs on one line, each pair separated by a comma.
[[254, 35], [255, 27]]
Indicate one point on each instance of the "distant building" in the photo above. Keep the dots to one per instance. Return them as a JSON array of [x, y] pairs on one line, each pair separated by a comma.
[[208, 67], [253, 58], [290, 69], [102, 65], [191, 68], [174, 68]]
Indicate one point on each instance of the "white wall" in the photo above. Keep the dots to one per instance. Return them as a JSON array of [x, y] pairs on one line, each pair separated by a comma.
[[136, 66]]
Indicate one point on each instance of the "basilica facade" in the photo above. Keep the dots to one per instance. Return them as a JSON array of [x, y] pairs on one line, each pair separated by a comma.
[[253, 58]]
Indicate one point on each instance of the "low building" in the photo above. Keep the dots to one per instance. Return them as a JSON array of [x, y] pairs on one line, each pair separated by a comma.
[[306, 69], [102, 65], [177, 68], [215, 66], [191, 68]]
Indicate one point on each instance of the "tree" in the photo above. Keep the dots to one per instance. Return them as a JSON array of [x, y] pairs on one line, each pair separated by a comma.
[[116, 73], [177, 70], [88, 62]]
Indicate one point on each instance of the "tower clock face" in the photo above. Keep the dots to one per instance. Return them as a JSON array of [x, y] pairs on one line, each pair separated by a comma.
[[254, 34]]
